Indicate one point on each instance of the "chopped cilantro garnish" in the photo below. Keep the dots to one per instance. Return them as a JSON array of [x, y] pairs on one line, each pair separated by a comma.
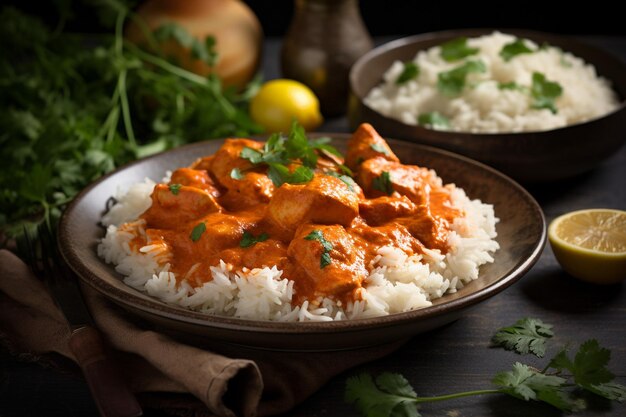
[[248, 239], [280, 151], [515, 48], [452, 82], [174, 188], [410, 71], [383, 183], [380, 148], [345, 178], [236, 174], [511, 85], [197, 231], [433, 119], [456, 49], [326, 247], [544, 92]]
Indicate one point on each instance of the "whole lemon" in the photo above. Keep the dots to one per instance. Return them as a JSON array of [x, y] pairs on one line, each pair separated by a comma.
[[280, 101]]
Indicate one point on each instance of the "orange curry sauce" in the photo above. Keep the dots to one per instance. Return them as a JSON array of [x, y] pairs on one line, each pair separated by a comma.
[[357, 222]]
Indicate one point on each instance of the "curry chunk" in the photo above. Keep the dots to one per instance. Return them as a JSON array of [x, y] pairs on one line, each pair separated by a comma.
[[254, 187], [377, 211], [172, 207], [345, 270], [410, 180], [324, 200], [431, 230], [365, 144], [195, 178]]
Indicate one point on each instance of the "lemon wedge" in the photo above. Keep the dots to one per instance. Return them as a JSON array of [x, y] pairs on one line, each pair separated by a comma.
[[591, 244], [280, 101]]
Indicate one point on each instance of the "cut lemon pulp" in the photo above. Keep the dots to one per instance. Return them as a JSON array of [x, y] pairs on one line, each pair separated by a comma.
[[591, 244]]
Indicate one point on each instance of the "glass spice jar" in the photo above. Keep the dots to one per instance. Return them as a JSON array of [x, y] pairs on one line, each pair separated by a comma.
[[324, 39]]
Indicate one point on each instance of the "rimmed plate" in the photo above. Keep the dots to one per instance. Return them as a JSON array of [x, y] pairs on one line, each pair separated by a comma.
[[521, 235]]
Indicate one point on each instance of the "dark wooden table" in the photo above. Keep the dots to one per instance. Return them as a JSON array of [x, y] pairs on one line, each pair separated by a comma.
[[454, 358]]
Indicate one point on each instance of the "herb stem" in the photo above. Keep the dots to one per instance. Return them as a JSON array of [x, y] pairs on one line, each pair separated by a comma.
[[128, 124], [457, 395]]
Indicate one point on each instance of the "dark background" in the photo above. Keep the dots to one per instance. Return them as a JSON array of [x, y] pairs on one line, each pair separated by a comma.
[[406, 17]]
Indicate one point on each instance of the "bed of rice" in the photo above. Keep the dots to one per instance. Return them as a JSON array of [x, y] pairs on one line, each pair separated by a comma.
[[483, 107], [396, 282]]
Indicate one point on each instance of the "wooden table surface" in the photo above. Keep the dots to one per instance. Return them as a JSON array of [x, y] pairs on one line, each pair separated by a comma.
[[454, 358]]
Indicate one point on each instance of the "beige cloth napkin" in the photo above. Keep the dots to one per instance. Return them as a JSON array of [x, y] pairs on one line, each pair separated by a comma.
[[246, 382]]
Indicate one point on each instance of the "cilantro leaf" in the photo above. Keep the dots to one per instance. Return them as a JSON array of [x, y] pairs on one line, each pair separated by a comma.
[[390, 395], [511, 85], [527, 335], [197, 231], [380, 148], [251, 155], [327, 246], [174, 188], [236, 174], [452, 82], [345, 178], [434, 120], [544, 93], [280, 174], [515, 48], [383, 183], [410, 71], [527, 384], [610, 390], [203, 51], [248, 239], [456, 49]]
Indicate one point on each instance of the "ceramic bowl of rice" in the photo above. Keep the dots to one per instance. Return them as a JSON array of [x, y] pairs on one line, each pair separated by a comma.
[[537, 106], [497, 241]]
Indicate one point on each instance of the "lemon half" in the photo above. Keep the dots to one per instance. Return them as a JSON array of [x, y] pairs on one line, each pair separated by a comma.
[[591, 244], [280, 101]]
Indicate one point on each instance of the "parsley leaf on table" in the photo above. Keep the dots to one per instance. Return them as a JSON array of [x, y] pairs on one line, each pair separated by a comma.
[[527, 335], [456, 49], [390, 395], [589, 370]]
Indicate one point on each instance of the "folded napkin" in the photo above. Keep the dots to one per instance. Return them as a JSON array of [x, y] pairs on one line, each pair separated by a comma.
[[244, 382]]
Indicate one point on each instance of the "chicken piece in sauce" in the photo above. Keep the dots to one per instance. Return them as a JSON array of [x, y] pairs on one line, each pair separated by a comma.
[[365, 143], [254, 188], [174, 206], [324, 199], [196, 178], [345, 270]]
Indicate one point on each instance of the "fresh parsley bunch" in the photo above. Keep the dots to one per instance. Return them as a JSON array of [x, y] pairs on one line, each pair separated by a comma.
[[76, 107], [391, 395]]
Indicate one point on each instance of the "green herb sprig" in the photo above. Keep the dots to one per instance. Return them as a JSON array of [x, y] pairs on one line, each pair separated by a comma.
[[545, 92], [383, 183], [75, 108], [434, 119], [557, 385], [280, 151]]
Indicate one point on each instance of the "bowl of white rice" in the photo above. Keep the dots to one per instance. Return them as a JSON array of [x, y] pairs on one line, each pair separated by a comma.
[[537, 106], [502, 235]]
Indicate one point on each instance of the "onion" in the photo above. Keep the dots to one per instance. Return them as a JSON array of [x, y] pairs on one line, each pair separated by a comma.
[[237, 32]]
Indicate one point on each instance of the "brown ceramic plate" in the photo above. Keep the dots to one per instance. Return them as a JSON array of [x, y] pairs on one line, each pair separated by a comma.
[[521, 234], [526, 156]]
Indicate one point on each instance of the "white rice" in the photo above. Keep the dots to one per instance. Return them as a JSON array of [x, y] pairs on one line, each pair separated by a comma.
[[396, 282], [483, 106]]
